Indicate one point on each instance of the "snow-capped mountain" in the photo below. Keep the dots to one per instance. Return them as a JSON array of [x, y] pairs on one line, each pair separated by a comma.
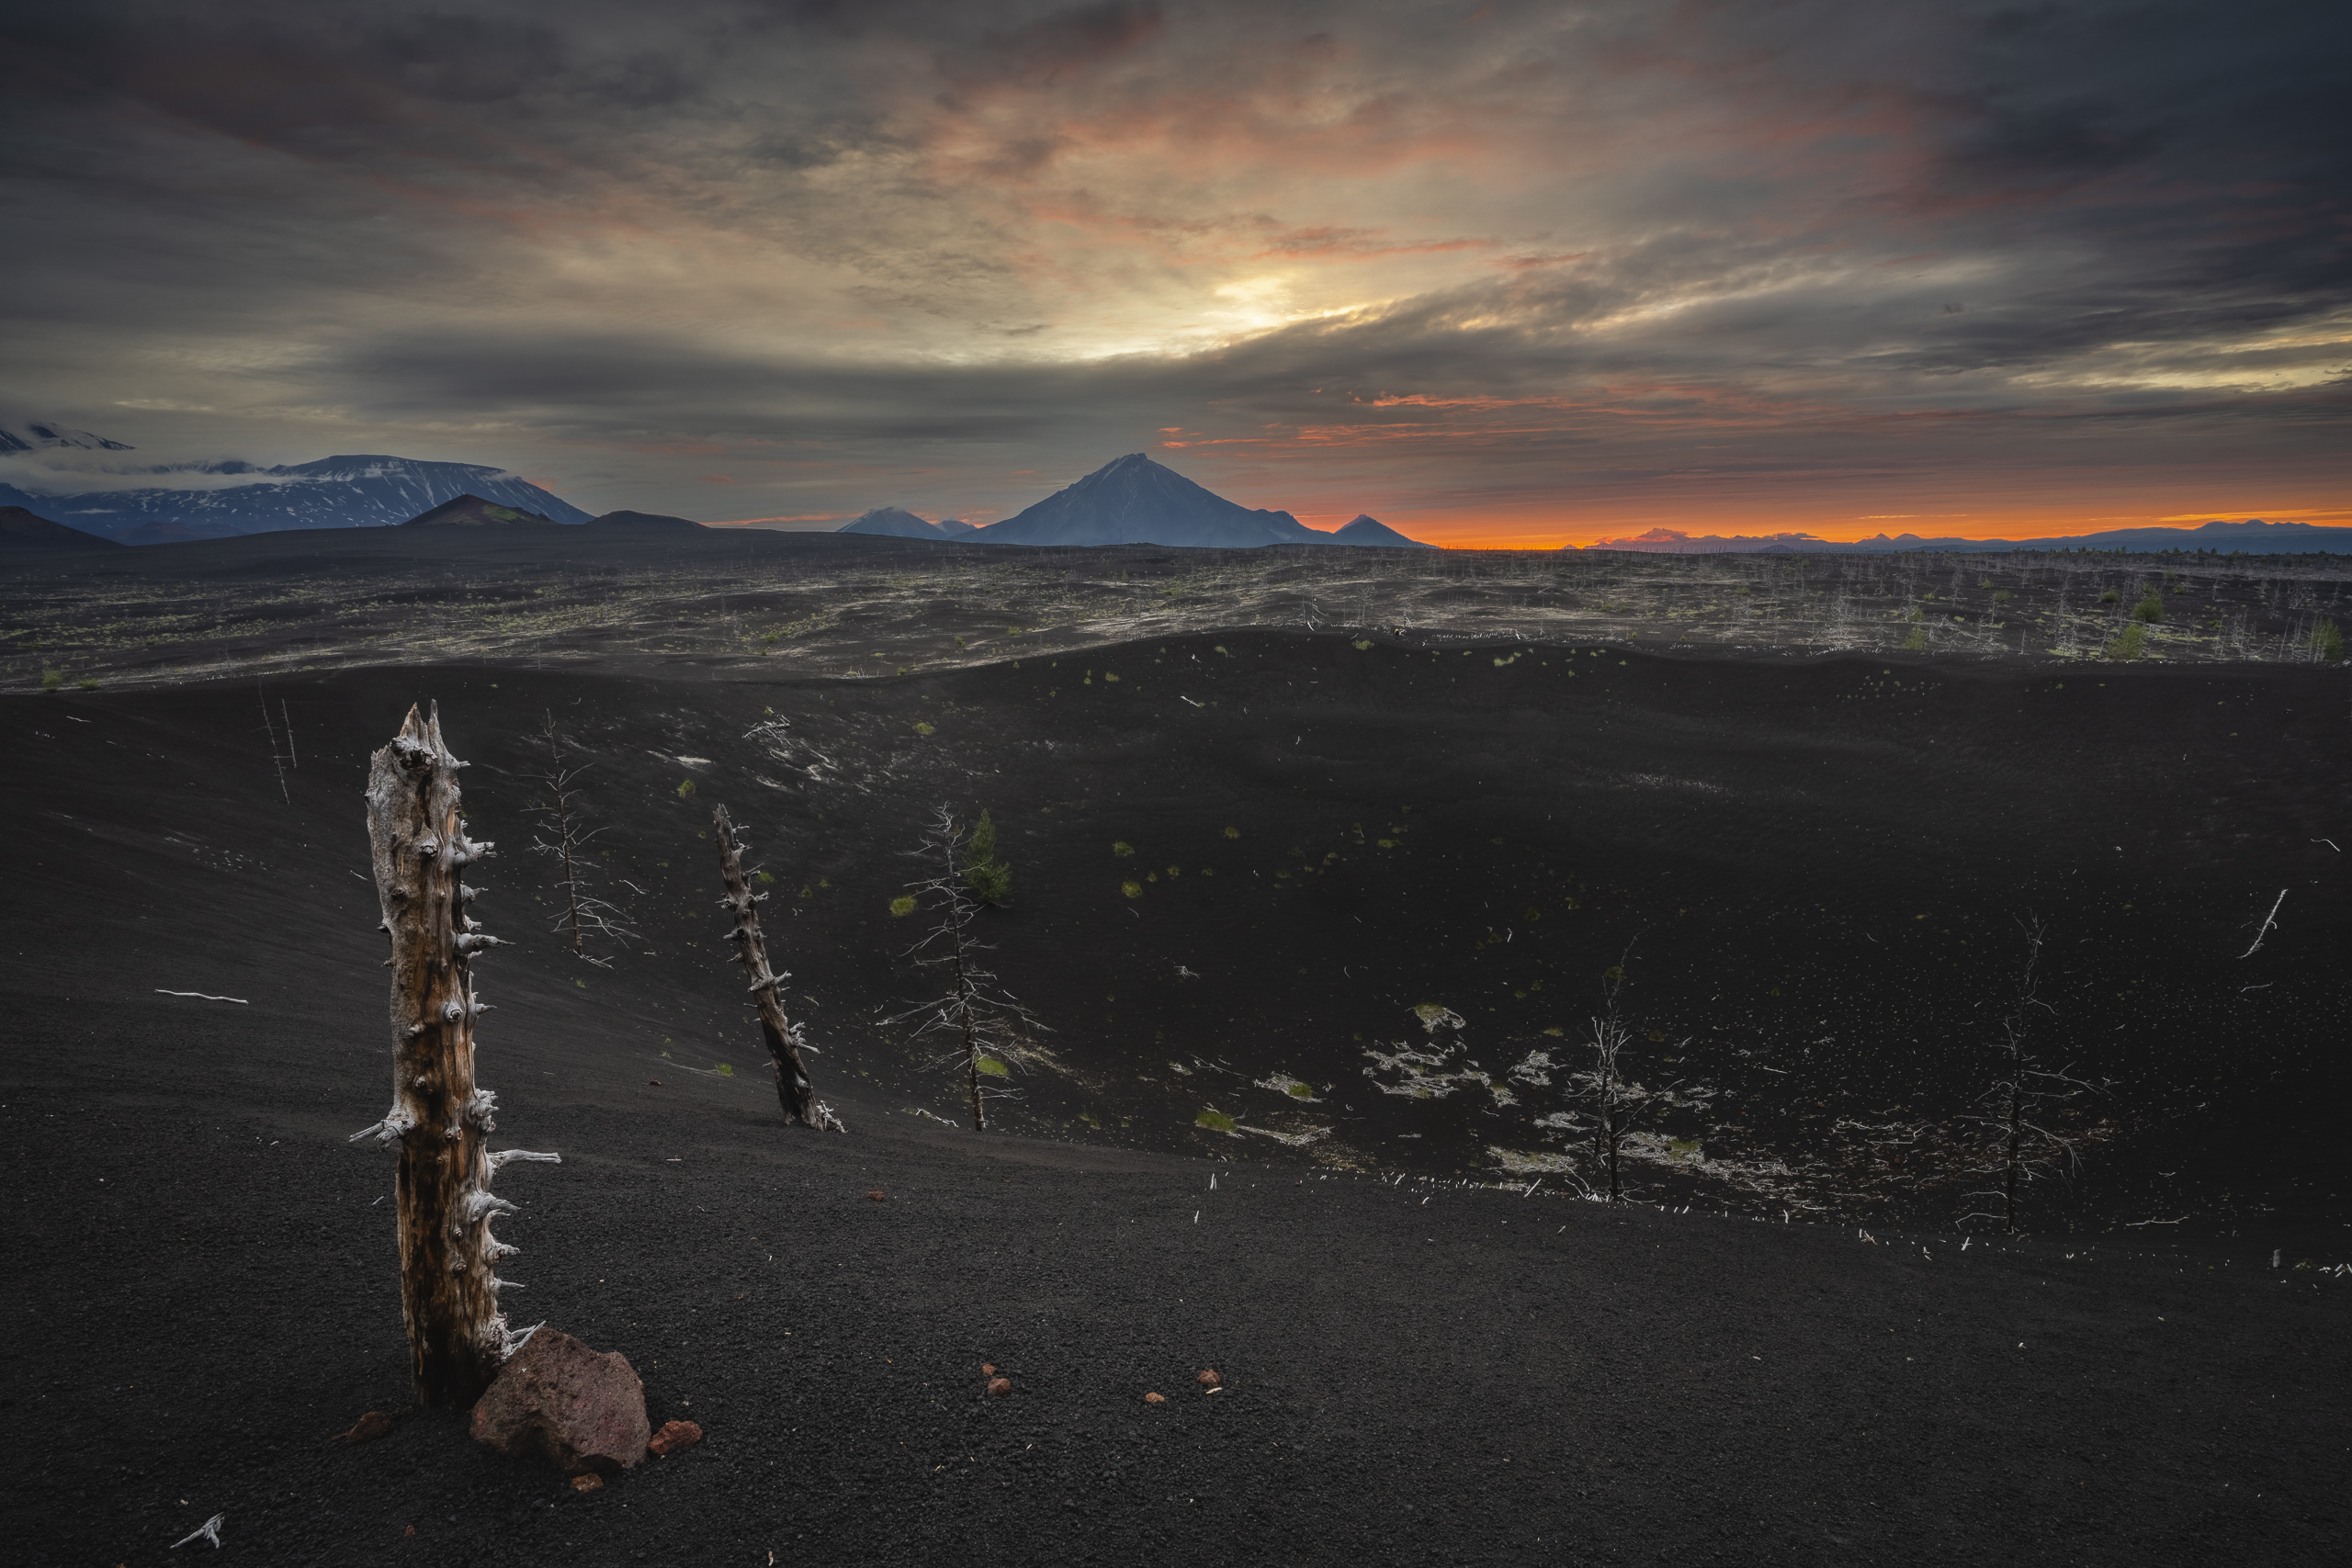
[[355, 492], [38, 437], [893, 523]]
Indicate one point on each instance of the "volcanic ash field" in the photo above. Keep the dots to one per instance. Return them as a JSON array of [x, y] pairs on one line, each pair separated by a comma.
[[1316, 923]]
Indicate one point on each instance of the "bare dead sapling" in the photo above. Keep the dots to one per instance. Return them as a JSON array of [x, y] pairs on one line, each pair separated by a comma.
[[586, 917], [984, 1028], [1607, 1100], [784, 1040], [278, 758], [2014, 1114], [440, 1118]]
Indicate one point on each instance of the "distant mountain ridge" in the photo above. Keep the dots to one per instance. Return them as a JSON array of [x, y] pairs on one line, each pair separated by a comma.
[[2253, 537], [36, 436], [1365, 529], [1134, 500], [892, 522], [359, 491]]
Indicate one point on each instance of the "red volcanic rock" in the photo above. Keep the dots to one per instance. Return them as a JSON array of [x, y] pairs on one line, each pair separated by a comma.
[[558, 1398], [878, 1195], [1155, 1399], [675, 1434], [368, 1427], [1210, 1380], [999, 1386]]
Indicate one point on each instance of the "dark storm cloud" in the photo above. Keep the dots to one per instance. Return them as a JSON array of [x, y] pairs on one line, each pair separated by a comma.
[[1614, 237]]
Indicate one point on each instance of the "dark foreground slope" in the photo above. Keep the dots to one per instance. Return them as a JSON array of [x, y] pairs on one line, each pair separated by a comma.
[[1356, 900], [202, 1293], [201, 1272]]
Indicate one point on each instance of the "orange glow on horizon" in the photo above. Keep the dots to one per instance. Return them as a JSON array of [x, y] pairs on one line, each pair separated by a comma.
[[1516, 531]]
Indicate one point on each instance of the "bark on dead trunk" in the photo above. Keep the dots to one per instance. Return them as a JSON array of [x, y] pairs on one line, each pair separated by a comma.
[[457, 1339], [793, 1089]]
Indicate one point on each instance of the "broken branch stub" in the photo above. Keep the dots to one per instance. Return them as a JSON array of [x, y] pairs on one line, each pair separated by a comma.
[[793, 1089], [457, 1339]]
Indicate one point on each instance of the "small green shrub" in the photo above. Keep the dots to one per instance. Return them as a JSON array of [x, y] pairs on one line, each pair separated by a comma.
[[903, 904], [2110, 597], [2002, 596], [2130, 643], [686, 788], [763, 877], [2327, 643], [1232, 832], [724, 1070], [990, 878], [923, 726], [88, 683], [1917, 640], [1132, 889], [992, 1067], [51, 679], [2151, 609], [1122, 849], [1214, 1120]]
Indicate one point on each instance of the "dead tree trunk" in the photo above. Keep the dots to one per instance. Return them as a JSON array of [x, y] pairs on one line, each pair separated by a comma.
[[457, 1339], [793, 1089]]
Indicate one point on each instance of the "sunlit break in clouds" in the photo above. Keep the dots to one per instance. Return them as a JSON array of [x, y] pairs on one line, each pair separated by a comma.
[[1497, 274]]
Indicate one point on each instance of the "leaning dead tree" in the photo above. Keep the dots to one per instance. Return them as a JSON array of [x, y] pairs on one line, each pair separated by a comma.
[[986, 1030], [440, 1118], [2015, 1111], [565, 838], [784, 1042]]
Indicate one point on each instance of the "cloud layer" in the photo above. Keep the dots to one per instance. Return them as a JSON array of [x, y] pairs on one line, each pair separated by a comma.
[[1508, 273]]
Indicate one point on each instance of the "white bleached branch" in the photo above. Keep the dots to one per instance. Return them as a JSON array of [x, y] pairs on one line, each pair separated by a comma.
[[208, 1530], [2270, 924]]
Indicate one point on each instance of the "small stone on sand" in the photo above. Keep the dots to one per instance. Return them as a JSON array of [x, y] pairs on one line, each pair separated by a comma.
[[591, 1482], [673, 1435], [1155, 1399], [370, 1426], [999, 1386]]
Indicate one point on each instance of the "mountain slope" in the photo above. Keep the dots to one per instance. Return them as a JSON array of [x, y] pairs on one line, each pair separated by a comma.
[[1135, 500], [893, 523], [353, 491], [474, 512], [36, 437], [651, 520], [1366, 529], [23, 530]]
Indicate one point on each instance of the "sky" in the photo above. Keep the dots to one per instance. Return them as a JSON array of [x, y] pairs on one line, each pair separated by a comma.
[[1503, 275]]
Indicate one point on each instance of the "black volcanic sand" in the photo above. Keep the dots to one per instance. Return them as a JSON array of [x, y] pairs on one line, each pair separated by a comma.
[[1824, 861]]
